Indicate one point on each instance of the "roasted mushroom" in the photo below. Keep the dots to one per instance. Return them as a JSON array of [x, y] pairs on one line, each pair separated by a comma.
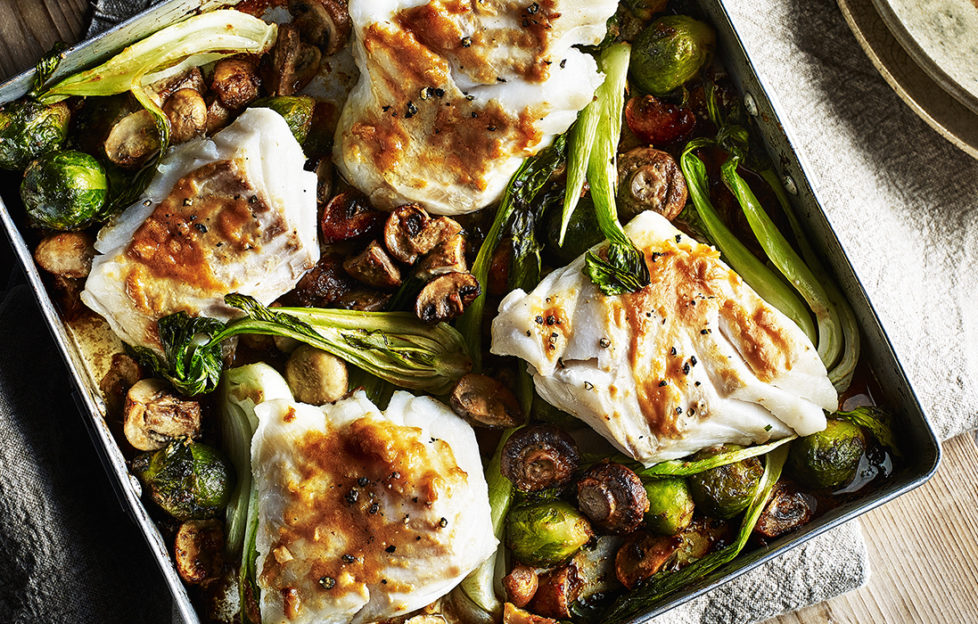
[[538, 457], [642, 555], [657, 122], [123, 373], [316, 377], [650, 180], [348, 215], [322, 285], [612, 497], [557, 592], [409, 232], [68, 254], [521, 584], [788, 509], [293, 63], [364, 300], [446, 296], [236, 81], [446, 257], [483, 400], [132, 140], [373, 267], [217, 115], [198, 551], [187, 113], [155, 415], [323, 23], [163, 89]]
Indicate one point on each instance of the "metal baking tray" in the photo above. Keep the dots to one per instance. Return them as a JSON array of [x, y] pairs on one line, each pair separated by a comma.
[[923, 451]]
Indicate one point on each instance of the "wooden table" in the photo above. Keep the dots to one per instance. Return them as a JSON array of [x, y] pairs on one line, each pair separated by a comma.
[[923, 546]]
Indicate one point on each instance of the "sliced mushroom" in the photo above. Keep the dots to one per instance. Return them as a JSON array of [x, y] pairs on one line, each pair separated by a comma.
[[557, 592], [187, 113], [68, 254], [373, 267], [612, 497], [322, 285], [324, 180], [123, 373], [446, 296], [218, 115], [155, 415], [650, 180], [316, 377], [642, 555], [515, 615], [446, 257], [323, 23], [236, 81], [521, 584], [789, 508], [538, 457], [132, 140], [409, 232], [348, 215], [293, 63], [364, 300], [484, 400], [198, 550], [163, 89]]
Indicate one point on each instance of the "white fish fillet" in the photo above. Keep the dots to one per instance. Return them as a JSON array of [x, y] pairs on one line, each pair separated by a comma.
[[693, 360], [232, 213], [365, 515], [453, 95]]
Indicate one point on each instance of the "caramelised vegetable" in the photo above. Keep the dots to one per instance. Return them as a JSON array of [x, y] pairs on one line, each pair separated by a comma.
[[391, 345], [123, 373], [348, 215], [538, 457], [829, 458], [669, 52], [198, 550], [188, 480], [557, 592], [650, 180], [670, 506], [187, 113], [64, 190], [296, 109], [323, 23], [67, 254], [642, 555], [521, 584], [154, 416], [374, 267], [612, 497], [727, 490], [446, 297], [547, 533], [658, 122], [236, 81], [316, 377], [788, 509], [29, 129], [514, 615], [482, 400]]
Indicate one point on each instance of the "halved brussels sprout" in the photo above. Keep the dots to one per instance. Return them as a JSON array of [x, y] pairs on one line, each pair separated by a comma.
[[188, 480], [670, 506], [669, 52], [828, 458], [296, 109], [64, 190], [29, 129], [547, 533], [725, 491]]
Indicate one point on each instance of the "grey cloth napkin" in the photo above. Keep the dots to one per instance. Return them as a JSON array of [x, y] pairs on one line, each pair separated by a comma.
[[904, 203]]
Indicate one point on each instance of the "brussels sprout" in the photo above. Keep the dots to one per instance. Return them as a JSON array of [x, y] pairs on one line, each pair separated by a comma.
[[296, 109], [670, 52], [546, 534], [828, 458], [29, 129], [582, 231], [725, 491], [645, 9], [186, 479], [670, 506], [64, 190]]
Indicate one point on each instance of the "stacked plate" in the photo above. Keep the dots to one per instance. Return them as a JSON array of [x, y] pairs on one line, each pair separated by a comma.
[[928, 51]]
